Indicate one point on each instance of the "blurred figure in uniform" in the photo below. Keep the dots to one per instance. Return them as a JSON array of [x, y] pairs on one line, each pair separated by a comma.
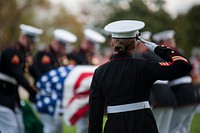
[[195, 61], [141, 49], [162, 98], [183, 89], [106, 55], [50, 58], [124, 83], [54, 55], [107, 51], [87, 51], [14, 62]]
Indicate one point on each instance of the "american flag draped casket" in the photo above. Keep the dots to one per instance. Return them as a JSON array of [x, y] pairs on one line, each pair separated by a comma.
[[65, 90]]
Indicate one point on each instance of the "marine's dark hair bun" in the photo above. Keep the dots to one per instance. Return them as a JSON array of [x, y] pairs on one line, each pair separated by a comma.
[[119, 48]]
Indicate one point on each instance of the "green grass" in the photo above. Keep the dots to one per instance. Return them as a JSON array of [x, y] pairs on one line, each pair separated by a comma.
[[68, 129], [195, 126]]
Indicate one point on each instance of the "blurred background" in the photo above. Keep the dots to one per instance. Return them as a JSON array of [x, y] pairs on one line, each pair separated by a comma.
[[74, 15]]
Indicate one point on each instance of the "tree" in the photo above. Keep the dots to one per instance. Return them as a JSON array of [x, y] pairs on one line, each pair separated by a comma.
[[192, 27], [61, 19], [159, 3], [155, 20], [39, 13], [179, 27], [12, 13]]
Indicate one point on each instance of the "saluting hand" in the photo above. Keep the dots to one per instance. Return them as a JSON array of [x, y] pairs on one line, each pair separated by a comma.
[[150, 45]]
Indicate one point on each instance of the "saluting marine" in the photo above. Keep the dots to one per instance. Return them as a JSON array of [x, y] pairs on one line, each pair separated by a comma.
[[123, 84], [183, 89], [13, 64], [162, 99]]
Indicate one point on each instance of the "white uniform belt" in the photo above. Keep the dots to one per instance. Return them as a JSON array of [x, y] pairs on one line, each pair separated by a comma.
[[128, 107], [182, 80], [161, 82], [7, 78]]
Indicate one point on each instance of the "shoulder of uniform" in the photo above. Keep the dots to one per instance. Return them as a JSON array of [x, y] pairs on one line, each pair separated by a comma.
[[15, 59], [103, 65], [11, 52], [165, 63], [43, 52], [177, 57], [45, 59]]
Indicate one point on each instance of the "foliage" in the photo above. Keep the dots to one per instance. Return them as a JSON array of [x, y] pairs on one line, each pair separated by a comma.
[[179, 27], [12, 13], [186, 25], [42, 14], [61, 19], [159, 3], [155, 21], [188, 30], [39, 13], [192, 28]]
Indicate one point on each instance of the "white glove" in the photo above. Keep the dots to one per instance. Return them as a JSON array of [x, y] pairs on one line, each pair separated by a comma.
[[150, 45]]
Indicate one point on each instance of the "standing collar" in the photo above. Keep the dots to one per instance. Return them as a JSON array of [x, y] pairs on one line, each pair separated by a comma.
[[121, 56], [19, 46]]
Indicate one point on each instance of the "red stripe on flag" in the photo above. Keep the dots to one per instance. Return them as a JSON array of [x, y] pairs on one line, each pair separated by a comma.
[[80, 78], [80, 113], [83, 94]]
